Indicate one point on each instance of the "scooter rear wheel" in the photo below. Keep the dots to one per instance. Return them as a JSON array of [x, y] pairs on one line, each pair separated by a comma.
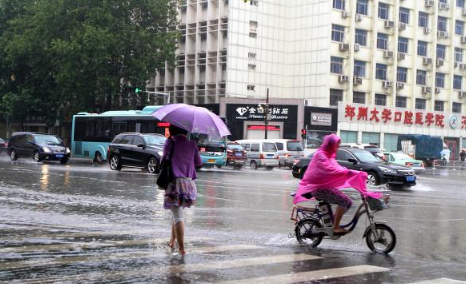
[[305, 232], [385, 242]]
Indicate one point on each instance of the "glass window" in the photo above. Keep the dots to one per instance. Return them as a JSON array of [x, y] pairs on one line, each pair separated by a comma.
[[460, 3], [400, 102], [422, 48], [458, 54], [269, 147], [423, 20], [420, 104], [443, 1], [339, 4], [381, 71], [438, 106], [126, 140], [403, 44], [361, 37], [349, 136], [382, 41], [279, 146], [459, 28], [421, 77], [362, 7], [457, 109], [383, 11], [402, 74], [137, 141], [336, 65], [404, 15], [441, 50], [359, 68], [338, 33], [380, 100], [457, 82], [335, 96], [442, 24], [370, 138], [390, 142], [343, 155], [439, 80], [359, 98], [255, 147]]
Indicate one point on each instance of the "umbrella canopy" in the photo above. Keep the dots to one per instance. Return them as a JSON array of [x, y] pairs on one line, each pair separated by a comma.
[[193, 119]]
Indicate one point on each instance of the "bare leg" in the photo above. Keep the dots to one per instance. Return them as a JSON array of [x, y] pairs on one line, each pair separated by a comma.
[[338, 215], [179, 231], [172, 238]]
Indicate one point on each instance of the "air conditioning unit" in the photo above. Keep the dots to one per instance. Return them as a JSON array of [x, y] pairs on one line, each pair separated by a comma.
[[443, 6], [442, 34], [463, 39], [429, 3], [437, 90], [462, 94], [400, 85], [427, 61], [401, 56], [344, 47], [401, 26], [426, 90], [439, 62], [344, 14], [463, 12], [426, 30], [389, 24], [358, 17], [386, 84], [357, 80], [342, 78], [357, 46], [462, 66], [388, 54], [457, 64]]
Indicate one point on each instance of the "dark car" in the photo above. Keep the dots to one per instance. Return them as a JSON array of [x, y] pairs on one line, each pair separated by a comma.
[[38, 146], [3, 145], [136, 150], [379, 172], [236, 155]]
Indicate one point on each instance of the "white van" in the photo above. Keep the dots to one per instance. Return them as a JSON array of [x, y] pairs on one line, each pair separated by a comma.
[[260, 153], [288, 151]]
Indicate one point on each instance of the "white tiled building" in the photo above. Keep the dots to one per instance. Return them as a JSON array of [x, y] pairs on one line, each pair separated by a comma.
[[402, 55]]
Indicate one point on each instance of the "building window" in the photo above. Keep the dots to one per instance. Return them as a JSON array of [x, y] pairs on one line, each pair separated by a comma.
[[254, 3], [361, 37], [359, 68], [339, 4], [420, 104], [349, 136], [443, 1], [441, 50], [438, 106], [362, 7], [251, 87], [442, 24], [383, 11], [439, 80], [359, 98], [203, 37], [400, 102], [252, 34], [422, 48], [252, 66], [338, 33], [457, 82], [381, 71], [336, 65], [421, 77], [253, 25], [380, 100], [382, 41], [404, 15], [460, 3], [251, 55], [335, 96], [423, 20], [459, 28], [402, 74], [456, 108], [458, 54], [403, 44]]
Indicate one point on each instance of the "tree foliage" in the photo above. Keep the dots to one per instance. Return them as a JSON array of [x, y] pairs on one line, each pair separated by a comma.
[[59, 57]]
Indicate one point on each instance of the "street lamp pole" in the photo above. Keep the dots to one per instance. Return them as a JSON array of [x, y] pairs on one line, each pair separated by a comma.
[[266, 118], [167, 95]]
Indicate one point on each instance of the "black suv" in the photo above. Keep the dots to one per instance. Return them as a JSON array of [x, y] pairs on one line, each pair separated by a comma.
[[39, 146], [378, 171], [136, 150]]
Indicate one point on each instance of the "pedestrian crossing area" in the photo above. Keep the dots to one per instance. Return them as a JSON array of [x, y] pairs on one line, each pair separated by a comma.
[[148, 260]]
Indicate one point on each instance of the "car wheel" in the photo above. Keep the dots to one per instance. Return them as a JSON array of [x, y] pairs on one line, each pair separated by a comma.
[[218, 166], [371, 179], [303, 171], [253, 165], [36, 157], [238, 167], [152, 165], [13, 155], [115, 163], [98, 158]]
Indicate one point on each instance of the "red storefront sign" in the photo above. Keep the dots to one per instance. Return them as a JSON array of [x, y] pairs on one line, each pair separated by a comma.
[[262, 127]]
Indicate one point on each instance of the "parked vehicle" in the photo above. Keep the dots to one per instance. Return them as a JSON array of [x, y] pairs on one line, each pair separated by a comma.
[[379, 172], [260, 153], [400, 158], [288, 151], [38, 146], [134, 149], [212, 149], [426, 148], [236, 155], [3, 145]]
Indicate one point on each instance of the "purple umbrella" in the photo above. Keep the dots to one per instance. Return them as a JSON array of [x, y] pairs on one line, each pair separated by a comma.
[[193, 119]]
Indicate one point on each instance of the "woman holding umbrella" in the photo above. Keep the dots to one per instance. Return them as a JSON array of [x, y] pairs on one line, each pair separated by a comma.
[[182, 191]]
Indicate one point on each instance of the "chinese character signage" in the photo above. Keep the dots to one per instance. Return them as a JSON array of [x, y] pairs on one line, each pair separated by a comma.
[[258, 112], [319, 118]]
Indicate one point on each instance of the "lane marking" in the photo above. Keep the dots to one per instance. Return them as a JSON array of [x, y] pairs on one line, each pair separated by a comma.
[[440, 281]]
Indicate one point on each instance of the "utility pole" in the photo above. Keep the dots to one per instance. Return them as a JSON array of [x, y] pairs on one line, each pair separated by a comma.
[[167, 95], [266, 117]]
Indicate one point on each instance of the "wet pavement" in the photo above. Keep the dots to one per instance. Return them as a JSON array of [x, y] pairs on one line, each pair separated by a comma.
[[81, 223]]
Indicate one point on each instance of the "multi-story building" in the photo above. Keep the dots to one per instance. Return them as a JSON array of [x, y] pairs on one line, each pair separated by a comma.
[[390, 67]]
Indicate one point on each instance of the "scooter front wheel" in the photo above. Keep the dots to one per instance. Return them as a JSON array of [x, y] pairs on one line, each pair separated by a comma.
[[381, 241], [305, 232]]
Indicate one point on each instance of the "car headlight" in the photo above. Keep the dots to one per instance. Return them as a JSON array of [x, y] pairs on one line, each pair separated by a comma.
[[68, 150], [160, 153], [387, 170], [46, 150]]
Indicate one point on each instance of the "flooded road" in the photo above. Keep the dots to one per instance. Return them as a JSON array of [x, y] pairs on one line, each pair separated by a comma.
[[81, 223]]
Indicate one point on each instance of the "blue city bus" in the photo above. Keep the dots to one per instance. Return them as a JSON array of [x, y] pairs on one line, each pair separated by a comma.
[[92, 133]]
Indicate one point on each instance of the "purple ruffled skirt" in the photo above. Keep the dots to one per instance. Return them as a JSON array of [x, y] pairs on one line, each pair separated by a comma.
[[181, 193]]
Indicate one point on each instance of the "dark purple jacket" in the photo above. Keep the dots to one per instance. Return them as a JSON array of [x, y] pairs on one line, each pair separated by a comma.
[[185, 156]]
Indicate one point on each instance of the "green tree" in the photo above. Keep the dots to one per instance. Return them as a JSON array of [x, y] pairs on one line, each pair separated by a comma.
[[69, 56]]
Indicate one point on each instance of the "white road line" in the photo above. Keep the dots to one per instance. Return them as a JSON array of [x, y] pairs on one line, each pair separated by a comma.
[[311, 275], [440, 281]]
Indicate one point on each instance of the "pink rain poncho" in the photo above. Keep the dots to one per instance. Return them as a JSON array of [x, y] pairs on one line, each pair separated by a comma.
[[324, 172]]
